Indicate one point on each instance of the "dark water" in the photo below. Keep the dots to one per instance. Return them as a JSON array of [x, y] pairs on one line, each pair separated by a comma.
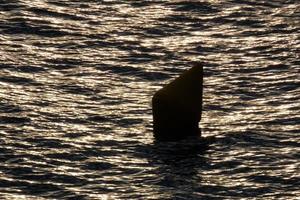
[[76, 80]]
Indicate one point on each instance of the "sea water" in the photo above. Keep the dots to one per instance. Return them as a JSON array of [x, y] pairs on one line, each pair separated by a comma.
[[76, 81]]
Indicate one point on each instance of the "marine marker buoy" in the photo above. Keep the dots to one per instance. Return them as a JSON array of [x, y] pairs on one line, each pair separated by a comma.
[[177, 107]]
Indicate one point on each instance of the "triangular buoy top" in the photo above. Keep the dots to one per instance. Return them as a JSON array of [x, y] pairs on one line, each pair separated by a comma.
[[177, 107]]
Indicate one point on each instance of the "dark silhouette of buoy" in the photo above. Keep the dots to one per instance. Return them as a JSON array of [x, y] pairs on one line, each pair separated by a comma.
[[177, 107]]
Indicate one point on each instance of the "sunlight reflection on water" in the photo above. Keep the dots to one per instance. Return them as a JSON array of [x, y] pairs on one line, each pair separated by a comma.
[[76, 81]]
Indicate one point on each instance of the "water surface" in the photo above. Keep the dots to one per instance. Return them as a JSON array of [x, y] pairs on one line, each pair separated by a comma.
[[77, 77]]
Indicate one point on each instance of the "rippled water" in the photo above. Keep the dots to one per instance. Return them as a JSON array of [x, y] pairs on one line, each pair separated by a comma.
[[77, 77]]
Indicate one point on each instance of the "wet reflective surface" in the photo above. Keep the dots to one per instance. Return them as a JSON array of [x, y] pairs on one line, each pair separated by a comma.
[[77, 77]]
